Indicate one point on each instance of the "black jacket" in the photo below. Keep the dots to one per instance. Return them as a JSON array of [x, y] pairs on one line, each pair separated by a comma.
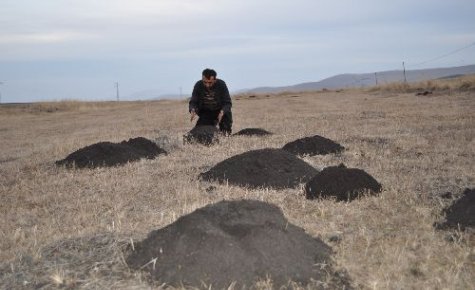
[[219, 91]]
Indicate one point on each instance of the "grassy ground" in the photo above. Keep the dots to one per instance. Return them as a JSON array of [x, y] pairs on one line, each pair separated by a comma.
[[72, 228]]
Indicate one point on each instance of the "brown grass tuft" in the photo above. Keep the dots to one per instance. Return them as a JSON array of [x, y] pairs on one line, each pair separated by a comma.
[[464, 83]]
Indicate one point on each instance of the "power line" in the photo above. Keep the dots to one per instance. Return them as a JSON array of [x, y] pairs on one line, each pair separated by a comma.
[[444, 55]]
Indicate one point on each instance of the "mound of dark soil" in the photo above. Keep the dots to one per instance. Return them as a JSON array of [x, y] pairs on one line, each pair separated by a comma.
[[273, 168], [315, 145], [206, 135], [106, 154], [253, 132], [345, 184], [461, 214], [232, 242]]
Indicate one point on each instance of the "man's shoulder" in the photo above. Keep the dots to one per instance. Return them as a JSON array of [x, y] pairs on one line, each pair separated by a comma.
[[198, 87], [220, 82]]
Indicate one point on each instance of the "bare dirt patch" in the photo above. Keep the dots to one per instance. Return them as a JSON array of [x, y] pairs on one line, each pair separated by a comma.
[[106, 154], [344, 184], [273, 168], [234, 242]]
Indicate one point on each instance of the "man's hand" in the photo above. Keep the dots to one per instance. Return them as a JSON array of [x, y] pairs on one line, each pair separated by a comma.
[[193, 114], [220, 116]]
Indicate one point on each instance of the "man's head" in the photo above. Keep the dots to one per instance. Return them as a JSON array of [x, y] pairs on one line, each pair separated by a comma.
[[209, 77]]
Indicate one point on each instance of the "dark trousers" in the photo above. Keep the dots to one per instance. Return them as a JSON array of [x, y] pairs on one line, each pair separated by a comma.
[[210, 118]]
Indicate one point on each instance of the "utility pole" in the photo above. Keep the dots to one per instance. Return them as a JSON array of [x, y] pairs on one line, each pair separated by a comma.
[[180, 92], [1, 83], [404, 71], [376, 78], [117, 90]]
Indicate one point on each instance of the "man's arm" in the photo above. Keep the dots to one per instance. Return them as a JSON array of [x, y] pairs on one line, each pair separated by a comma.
[[225, 98], [194, 100]]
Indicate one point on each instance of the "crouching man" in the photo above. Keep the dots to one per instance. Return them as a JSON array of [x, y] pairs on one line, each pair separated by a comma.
[[211, 101]]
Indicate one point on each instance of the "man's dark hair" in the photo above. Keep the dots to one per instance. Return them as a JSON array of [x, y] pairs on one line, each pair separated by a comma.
[[208, 73]]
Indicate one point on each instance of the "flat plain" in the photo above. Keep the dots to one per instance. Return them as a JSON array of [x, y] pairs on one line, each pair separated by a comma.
[[72, 227]]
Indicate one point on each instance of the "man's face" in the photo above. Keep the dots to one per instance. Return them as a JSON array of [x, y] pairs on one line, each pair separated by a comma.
[[209, 82]]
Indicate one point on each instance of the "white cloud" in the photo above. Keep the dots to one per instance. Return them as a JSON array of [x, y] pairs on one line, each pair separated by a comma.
[[43, 38]]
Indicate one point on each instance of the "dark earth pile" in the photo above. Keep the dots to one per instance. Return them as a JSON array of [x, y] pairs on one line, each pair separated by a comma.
[[461, 214], [273, 168], [106, 154], [206, 135], [346, 184], [253, 132], [233, 241], [315, 145]]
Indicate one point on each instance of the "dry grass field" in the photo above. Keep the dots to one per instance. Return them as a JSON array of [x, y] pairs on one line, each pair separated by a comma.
[[65, 228]]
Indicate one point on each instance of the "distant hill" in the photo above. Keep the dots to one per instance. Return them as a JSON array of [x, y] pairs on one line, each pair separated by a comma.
[[369, 79], [340, 81]]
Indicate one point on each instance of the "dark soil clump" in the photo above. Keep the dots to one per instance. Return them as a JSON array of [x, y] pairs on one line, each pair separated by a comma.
[[315, 145], [233, 242], [106, 154], [205, 135], [345, 184], [461, 214], [273, 168], [253, 132], [424, 93]]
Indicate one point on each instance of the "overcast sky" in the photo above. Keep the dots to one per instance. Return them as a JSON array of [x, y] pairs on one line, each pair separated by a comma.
[[65, 49]]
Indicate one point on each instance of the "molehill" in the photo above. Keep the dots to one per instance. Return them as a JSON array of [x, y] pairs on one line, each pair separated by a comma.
[[344, 184], [238, 242], [205, 135], [274, 168], [253, 132], [461, 214], [106, 154], [315, 145]]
